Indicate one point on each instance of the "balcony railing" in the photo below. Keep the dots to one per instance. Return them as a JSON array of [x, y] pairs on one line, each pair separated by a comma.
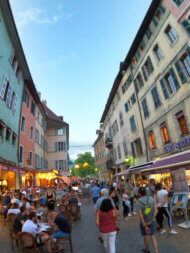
[[109, 143]]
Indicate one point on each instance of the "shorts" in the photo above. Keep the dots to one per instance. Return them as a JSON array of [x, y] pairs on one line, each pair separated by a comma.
[[95, 199], [60, 234], [152, 228]]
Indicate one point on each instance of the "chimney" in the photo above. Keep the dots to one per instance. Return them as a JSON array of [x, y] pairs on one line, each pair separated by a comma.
[[44, 102]]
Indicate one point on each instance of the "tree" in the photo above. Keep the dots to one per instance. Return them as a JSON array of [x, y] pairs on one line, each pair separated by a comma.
[[85, 163]]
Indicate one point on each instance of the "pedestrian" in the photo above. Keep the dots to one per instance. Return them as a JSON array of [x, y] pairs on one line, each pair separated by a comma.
[[113, 195], [95, 193], [106, 221], [150, 189], [130, 191], [147, 211], [161, 196], [104, 195], [126, 206]]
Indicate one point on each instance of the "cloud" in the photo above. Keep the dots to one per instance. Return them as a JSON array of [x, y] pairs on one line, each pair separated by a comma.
[[38, 16]]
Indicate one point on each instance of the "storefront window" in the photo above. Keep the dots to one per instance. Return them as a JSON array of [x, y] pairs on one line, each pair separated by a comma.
[[164, 131], [182, 123], [151, 140]]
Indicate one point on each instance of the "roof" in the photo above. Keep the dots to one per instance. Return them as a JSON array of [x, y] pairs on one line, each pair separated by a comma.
[[132, 51], [51, 115], [97, 139]]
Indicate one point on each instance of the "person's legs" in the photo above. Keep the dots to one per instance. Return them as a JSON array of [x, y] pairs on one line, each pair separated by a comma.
[[146, 244], [111, 242], [160, 218], [154, 242], [47, 241], [104, 237], [131, 201], [166, 212]]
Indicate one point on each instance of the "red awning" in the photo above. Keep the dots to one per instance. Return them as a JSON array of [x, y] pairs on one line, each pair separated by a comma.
[[9, 130], [2, 124]]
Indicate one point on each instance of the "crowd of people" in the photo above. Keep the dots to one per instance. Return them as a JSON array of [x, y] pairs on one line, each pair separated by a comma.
[[150, 203]]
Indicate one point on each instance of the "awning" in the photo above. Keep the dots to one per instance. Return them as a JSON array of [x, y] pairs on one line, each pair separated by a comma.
[[140, 167], [169, 163], [2, 124], [12, 168], [122, 173]]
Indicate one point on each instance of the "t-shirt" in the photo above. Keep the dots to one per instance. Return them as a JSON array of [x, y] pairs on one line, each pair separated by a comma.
[[150, 191], [6, 200], [140, 206], [73, 201], [27, 204], [107, 222], [129, 188], [124, 197], [99, 202], [15, 211], [62, 223], [95, 192], [160, 197], [17, 227], [30, 228]]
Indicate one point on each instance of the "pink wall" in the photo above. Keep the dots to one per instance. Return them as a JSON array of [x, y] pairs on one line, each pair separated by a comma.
[[177, 11]]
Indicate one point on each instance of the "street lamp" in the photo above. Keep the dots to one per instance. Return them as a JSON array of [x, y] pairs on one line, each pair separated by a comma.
[[85, 165], [77, 166]]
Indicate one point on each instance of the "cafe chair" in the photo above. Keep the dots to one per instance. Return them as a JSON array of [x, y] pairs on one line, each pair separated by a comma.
[[29, 243], [69, 238], [13, 236], [11, 218], [74, 211]]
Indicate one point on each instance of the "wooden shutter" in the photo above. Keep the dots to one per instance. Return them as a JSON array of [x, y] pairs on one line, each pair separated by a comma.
[[145, 108], [4, 86], [140, 146], [14, 108], [144, 73], [136, 86], [163, 10], [164, 89], [180, 72], [134, 98], [150, 63], [126, 107], [155, 22], [133, 149], [172, 72]]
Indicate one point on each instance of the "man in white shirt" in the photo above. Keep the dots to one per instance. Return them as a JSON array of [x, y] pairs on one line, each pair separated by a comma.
[[24, 203], [31, 228], [162, 203]]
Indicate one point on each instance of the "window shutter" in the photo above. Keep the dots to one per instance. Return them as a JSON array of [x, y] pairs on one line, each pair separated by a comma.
[[136, 86], [164, 89], [180, 72], [14, 105], [123, 88], [4, 86], [163, 10], [155, 22], [126, 107], [145, 108], [188, 51], [143, 43], [140, 146], [186, 25], [150, 63], [144, 73], [172, 72], [24, 95], [133, 149], [12, 55], [9, 93], [155, 97], [56, 146], [134, 98]]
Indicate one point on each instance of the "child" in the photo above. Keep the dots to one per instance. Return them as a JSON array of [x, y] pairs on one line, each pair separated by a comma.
[[126, 206]]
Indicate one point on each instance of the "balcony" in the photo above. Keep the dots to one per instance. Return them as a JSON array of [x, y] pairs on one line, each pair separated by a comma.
[[110, 164], [109, 143]]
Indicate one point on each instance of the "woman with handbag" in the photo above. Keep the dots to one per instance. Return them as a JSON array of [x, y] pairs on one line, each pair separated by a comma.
[[106, 219]]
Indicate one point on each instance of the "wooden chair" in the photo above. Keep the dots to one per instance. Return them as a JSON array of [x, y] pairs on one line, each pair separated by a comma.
[[69, 239], [29, 243], [13, 236], [74, 211], [11, 218]]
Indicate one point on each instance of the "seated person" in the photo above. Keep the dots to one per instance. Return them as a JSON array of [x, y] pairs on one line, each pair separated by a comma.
[[7, 209], [74, 198], [14, 209], [15, 199], [24, 203], [40, 208], [6, 198], [20, 219], [31, 228], [63, 227]]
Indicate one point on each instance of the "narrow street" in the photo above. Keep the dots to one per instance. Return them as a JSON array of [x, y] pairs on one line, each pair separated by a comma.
[[85, 237]]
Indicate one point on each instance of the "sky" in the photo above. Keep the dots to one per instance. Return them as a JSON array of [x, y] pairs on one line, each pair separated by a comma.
[[73, 49]]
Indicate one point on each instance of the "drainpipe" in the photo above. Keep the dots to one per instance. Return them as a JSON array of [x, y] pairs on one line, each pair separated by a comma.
[[141, 118]]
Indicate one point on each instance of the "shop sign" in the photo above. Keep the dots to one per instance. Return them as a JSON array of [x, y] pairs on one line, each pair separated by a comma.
[[178, 145], [4, 167], [13, 169]]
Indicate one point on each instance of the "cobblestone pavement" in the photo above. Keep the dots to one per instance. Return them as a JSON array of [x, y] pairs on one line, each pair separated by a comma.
[[85, 235]]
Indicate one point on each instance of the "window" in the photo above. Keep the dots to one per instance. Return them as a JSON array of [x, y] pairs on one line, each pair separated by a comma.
[[133, 99], [121, 119], [21, 154], [14, 136], [31, 158], [182, 123], [125, 147], [171, 34], [119, 151], [169, 83], [38, 115], [132, 122], [23, 124], [31, 133], [156, 97], [158, 53], [148, 33], [186, 24], [158, 14], [185, 60], [33, 108], [2, 127], [60, 164], [8, 133], [136, 147], [61, 131], [37, 161], [25, 97], [142, 46], [151, 140], [147, 69], [60, 146], [164, 132], [4, 88], [178, 2], [145, 108], [129, 80], [37, 136], [140, 81], [114, 154]]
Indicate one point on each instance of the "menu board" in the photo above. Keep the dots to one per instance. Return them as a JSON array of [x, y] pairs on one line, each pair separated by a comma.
[[179, 180], [85, 193], [179, 200]]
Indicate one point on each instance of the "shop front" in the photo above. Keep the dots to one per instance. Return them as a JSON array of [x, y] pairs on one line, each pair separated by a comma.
[[49, 177]]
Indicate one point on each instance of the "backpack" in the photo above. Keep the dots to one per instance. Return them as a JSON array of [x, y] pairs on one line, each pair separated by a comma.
[[147, 211]]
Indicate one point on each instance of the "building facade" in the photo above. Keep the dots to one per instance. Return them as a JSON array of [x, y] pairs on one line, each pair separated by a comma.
[[147, 111], [57, 137]]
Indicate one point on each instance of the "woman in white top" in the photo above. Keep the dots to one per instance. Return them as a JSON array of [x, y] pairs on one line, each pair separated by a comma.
[[161, 197], [14, 209]]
